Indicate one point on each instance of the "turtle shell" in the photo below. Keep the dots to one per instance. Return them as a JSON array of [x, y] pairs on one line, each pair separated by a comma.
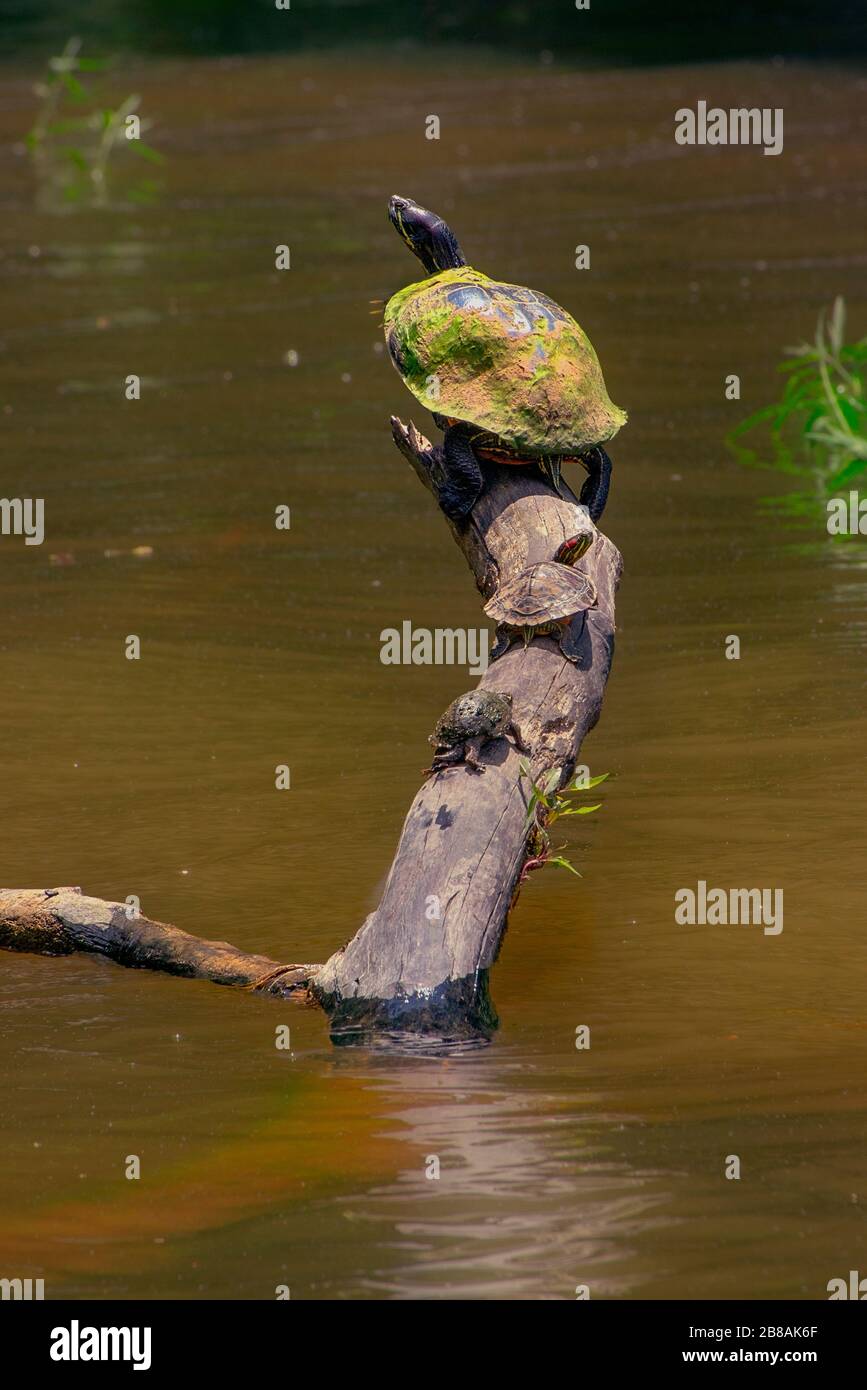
[[544, 593], [476, 714], [503, 358]]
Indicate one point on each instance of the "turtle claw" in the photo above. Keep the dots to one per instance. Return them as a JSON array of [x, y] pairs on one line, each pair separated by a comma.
[[436, 767], [570, 639], [471, 757], [467, 762], [594, 493], [467, 756], [518, 739]]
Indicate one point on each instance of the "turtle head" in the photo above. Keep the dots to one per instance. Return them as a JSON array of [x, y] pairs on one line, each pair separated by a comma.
[[426, 235]]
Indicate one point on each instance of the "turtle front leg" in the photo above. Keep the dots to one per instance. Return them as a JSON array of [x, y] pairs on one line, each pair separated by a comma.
[[570, 638], [464, 479], [502, 644], [463, 753], [518, 738], [594, 493], [444, 758], [472, 749]]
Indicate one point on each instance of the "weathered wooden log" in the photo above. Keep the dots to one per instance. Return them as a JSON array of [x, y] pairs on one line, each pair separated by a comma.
[[420, 962], [419, 965], [59, 921]]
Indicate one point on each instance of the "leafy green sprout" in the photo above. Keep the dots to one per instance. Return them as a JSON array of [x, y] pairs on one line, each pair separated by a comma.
[[73, 151], [547, 804], [819, 425]]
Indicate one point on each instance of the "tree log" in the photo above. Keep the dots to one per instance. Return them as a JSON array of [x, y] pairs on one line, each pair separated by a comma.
[[419, 964], [59, 921]]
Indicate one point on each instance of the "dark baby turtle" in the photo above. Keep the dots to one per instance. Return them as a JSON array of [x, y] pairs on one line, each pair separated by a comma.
[[471, 721], [544, 600], [507, 373]]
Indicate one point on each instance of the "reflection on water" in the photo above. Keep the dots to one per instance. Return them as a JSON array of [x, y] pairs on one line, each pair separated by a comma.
[[511, 1160], [557, 1167]]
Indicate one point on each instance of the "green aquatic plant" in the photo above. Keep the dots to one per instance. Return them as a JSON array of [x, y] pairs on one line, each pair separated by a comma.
[[74, 139], [818, 427], [545, 805]]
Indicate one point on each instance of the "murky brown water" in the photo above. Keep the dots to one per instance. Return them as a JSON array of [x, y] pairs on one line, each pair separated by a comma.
[[558, 1167]]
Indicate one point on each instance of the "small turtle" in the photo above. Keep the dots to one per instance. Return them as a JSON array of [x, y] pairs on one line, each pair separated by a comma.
[[508, 375], [548, 599], [471, 721]]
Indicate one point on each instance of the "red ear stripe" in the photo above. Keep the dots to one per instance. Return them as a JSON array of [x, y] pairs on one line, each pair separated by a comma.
[[573, 548]]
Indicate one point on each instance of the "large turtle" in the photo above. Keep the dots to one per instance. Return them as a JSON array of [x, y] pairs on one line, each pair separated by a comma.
[[471, 721], [507, 373], [548, 599]]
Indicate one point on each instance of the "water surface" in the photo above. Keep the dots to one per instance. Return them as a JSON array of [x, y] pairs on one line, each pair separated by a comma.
[[558, 1167]]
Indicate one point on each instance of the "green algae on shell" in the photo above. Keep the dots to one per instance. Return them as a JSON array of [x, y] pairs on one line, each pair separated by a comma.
[[503, 358]]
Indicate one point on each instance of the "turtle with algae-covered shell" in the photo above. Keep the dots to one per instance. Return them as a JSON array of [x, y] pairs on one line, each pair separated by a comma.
[[548, 599], [509, 376], [471, 721]]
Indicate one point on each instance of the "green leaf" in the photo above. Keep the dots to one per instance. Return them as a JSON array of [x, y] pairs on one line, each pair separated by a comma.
[[563, 864], [75, 156], [591, 782], [76, 89], [822, 413], [143, 192], [827, 434], [757, 418], [147, 152], [853, 469], [852, 410]]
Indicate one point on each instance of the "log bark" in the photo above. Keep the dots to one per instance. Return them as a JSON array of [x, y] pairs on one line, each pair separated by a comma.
[[60, 921], [419, 964]]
